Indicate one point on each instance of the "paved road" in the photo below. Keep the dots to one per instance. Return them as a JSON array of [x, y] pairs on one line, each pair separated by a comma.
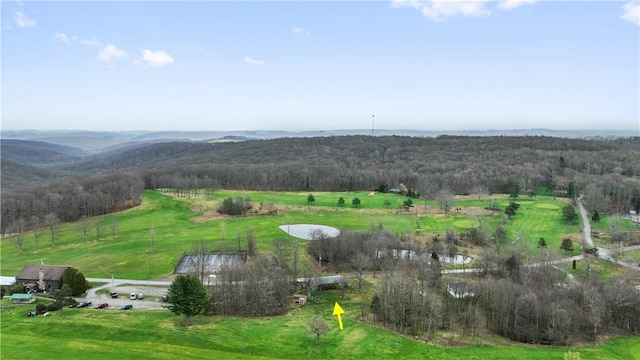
[[111, 281], [603, 253], [586, 225]]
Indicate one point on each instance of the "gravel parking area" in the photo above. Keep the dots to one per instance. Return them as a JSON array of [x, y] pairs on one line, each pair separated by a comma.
[[151, 301]]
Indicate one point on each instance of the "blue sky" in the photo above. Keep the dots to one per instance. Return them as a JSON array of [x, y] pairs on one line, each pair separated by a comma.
[[427, 65]]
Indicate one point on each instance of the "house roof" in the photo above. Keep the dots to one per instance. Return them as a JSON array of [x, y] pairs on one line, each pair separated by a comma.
[[21, 296], [51, 272]]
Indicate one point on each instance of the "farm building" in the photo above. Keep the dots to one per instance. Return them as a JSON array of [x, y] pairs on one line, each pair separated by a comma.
[[42, 278], [323, 283], [23, 298], [460, 290]]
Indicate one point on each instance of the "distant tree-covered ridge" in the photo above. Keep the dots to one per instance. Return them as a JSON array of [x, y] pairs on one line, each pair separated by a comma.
[[605, 171]]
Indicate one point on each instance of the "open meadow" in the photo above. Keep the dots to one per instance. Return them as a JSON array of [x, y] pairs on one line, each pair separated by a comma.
[[115, 334], [145, 243]]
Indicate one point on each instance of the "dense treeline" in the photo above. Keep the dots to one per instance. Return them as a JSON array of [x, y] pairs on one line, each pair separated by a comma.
[[509, 298], [606, 171], [38, 208], [260, 287]]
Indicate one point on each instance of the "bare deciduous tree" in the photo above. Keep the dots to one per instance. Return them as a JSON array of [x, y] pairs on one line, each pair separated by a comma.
[[52, 221], [445, 200], [479, 191], [199, 265], [17, 231], [35, 226], [318, 326]]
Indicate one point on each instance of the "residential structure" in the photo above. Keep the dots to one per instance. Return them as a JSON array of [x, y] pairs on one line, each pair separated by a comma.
[[41, 278]]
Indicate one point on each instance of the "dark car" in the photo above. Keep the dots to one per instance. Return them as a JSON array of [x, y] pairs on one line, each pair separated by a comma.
[[126, 307], [102, 306], [114, 295], [83, 304], [165, 298]]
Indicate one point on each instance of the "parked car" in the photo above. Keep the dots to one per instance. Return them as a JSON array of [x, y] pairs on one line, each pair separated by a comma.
[[83, 304], [114, 295], [102, 306], [165, 298], [126, 307], [140, 296], [133, 296]]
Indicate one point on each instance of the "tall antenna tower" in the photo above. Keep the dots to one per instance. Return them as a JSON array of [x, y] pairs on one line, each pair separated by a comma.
[[372, 124]]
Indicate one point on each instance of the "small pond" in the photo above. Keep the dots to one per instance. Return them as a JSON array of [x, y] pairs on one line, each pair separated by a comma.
[[307, 231]]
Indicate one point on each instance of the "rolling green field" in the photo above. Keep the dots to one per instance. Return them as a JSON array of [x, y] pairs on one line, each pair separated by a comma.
[[114, 334], [176, 226]]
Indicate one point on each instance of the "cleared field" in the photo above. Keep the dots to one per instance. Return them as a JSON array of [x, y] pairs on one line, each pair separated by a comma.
[[114, 334], [175, 225]]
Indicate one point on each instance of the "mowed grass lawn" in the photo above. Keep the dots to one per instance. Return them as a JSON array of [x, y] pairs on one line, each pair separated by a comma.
[[175, 226], [113, 334]]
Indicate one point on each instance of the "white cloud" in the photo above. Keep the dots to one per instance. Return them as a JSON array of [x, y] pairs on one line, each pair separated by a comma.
[[156, 58], [72, 40], [512, 4], [631, 12], [442, 9], [64, 38], [111, 52], [251, 61], [23, 21], [297, 30]]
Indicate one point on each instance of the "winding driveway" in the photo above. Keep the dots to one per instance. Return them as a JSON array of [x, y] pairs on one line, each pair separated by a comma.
[[603, 253]]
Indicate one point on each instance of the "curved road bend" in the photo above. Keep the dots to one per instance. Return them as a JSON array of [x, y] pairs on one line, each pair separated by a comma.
[[603, 253]]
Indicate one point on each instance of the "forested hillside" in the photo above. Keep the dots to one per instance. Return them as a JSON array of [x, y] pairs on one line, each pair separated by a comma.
[[607, 171], [37, 152]]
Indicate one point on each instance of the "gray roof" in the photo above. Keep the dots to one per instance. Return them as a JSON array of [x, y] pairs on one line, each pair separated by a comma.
[[51, 272]]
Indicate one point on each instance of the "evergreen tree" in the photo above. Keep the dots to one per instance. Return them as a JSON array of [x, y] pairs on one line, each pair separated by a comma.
[[569, 213], [187, 296], [567, 245]]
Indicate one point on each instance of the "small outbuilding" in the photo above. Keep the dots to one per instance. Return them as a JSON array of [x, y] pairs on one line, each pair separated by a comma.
[[299, 299], [23, 298]]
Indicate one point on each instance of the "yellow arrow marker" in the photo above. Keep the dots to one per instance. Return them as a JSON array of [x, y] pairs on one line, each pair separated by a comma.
[[337, 310]]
